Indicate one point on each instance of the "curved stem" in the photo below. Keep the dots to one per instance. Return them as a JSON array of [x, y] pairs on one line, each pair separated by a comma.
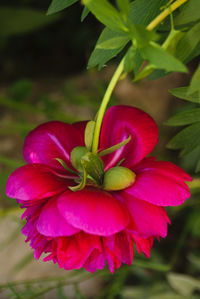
[[119, 71], [104, 104], [165, 13]]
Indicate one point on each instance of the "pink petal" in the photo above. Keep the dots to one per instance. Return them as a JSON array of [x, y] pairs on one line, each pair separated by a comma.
[[34, 182], [147, 220], [143, 245], [120, 122], [94, 211], [96, 261], [49, 141], [80, 126], [160, 183], [51, 223], [73, 252]]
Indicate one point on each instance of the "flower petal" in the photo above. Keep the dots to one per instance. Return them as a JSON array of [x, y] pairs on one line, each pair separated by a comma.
[[50, 141], [51, 223], [34, 182], [120, 122], [147, 220], [160, 183], [94, 211]]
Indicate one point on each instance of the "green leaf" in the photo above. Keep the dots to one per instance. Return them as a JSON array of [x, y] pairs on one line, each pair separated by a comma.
[[183, 284], [93, 166], [89, 132], [141, 35], [16, 20], [189, 13], [106, 14], [188, 43], [195, 82], [129, 62], [142, 12], [182, 93], [124, 6], [84, 14], [188, 139], [101, 56], [58, 5], [111, 43], [184, 118], [161, 59]]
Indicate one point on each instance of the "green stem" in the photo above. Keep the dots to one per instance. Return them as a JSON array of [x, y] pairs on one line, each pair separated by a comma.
[[104, 104], [119, 71]]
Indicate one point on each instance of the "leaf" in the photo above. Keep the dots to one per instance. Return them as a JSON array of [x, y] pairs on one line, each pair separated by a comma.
[[184, 118], [101, 56], [142, 12], [14, 20], [124, 6], [187, 139], [84, 14], [183, 284], [161, 59], [111, 43], [129, 63], [182, 93], [141, 35], [106, 14], [195, 82], [58, 5], [187, 44], [189, 13]]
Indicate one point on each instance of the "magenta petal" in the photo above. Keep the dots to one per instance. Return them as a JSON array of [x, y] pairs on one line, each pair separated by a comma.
[[160, 183], [51, 223], [94, 211], [34, 182], [120, 122], [49, 141], [147, 220]]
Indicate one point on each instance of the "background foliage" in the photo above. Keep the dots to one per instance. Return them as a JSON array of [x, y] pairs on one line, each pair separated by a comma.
[[33, 46]]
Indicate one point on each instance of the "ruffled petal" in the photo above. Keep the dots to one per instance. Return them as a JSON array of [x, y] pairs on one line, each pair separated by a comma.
[[34, 182], [51, 223], [120, 122], [160, 183], [73, 252], [94, 211], [51, 140], [143, 245], [96, 261], [147, 220]]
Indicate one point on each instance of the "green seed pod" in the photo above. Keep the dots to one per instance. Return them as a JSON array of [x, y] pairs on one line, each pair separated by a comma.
[[118, 178], [76, 155]]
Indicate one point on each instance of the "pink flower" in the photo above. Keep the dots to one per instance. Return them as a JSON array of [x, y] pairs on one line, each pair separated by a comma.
[[88, 227]]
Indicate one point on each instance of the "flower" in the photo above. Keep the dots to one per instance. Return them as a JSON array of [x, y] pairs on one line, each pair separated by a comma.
[[96, 221]]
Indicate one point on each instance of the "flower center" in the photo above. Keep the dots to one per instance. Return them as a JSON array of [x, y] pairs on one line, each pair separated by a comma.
[[91, 172]]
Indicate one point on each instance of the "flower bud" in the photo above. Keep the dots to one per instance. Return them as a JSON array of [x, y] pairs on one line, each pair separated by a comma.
[[76, 155], [118, 178]]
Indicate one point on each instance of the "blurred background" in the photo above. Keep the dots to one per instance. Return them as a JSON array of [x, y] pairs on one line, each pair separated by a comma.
[[43, 77]]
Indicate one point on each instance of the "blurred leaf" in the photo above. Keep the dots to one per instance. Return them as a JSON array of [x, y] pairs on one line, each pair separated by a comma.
[[84, 14], [111, 43], [195, 82], [58, 5], [194, 221], [184, 118], [161, 59], [188, 43], [10, 162], [21, 89], [124, 6], [101, 56], [14, 20], [182, 93], [106, 14], [183, 284], [189, 13], [187, 139], [142, 36], [170, 295], [142, 12], [27, 259], [129, 62], [194, 259]]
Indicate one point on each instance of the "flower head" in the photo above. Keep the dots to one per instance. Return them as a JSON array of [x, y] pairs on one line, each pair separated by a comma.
[[83, 209]]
